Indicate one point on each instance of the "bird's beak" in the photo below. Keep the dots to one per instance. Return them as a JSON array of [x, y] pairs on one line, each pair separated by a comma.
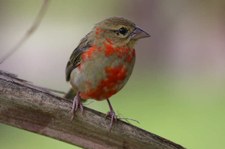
[[138, 34]]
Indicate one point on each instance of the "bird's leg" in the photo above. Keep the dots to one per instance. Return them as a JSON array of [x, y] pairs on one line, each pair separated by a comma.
[[111, 114], [77, 104]]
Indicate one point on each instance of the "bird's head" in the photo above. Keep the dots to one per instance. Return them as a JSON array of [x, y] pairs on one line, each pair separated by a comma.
[[118, 31]]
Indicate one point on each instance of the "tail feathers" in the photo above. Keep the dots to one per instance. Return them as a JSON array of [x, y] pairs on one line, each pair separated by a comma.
[[70, 94]]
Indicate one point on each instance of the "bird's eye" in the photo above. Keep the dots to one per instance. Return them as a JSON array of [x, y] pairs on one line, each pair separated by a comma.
[[123, 31]]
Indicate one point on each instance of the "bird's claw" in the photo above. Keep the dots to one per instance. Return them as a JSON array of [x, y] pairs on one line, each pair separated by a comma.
[[77, 104], [113, 118]]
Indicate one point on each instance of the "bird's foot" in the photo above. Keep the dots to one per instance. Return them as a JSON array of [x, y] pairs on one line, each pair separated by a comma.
[[111, 114], [77, 104], [113, 118]]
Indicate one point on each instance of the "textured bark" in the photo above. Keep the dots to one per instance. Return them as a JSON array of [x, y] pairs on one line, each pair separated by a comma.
[[35, 109]]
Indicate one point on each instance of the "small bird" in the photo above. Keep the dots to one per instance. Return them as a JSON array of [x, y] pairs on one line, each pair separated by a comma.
[[103, 61]]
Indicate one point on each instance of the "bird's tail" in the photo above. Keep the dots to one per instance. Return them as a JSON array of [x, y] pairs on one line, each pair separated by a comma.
[[70, 94]]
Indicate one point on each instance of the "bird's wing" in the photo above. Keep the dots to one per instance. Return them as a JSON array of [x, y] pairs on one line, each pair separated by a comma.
[[75, 57]]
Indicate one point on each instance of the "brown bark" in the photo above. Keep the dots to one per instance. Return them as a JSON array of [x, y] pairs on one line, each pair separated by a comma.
[[35, 109]]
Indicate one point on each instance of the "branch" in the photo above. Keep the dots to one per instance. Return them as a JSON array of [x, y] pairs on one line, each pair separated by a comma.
[[35, 109]]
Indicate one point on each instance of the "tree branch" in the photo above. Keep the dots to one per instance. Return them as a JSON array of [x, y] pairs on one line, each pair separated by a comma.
[[35, 109]]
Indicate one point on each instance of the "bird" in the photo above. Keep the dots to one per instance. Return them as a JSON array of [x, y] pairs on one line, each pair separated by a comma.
[[103, 61]]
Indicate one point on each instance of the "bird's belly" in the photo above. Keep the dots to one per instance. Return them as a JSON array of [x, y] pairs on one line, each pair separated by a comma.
[[102, 76]]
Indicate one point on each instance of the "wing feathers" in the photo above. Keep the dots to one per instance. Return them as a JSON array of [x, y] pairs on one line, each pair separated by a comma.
[[75, 57]]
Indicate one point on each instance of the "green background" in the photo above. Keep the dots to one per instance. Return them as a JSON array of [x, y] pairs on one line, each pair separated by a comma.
[[171, 94]]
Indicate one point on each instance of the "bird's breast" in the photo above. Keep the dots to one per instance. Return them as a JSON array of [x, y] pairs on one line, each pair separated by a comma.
[[103, 71]]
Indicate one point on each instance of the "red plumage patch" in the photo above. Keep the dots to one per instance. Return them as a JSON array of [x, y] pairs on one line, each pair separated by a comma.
[[114, 75], [98, 31], [88, 54], [120, 52], [108, 86], [109, 50]]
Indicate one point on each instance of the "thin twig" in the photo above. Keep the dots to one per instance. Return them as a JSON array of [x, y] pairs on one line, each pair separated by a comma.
[[30, 31]]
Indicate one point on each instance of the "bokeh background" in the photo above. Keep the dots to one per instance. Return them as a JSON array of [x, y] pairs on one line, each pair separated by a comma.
[[177, 89]]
